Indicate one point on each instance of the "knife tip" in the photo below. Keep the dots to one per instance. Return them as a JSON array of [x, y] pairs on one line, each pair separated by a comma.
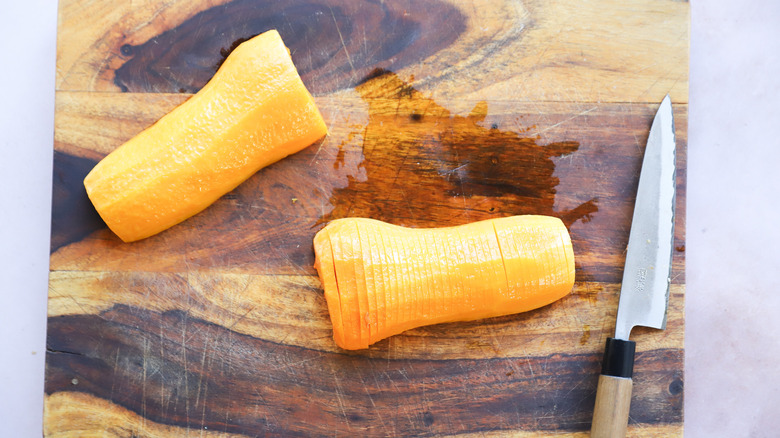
[[665, 107]]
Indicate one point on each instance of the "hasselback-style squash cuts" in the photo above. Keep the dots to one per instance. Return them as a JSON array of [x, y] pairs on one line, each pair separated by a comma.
[[382, 279], [253, 112]]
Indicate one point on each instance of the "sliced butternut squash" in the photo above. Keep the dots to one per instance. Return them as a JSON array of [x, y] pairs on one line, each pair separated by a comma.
[[253, 112], [382, 279]]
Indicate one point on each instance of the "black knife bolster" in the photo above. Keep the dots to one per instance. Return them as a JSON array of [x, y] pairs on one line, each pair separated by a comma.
[[618, 358]]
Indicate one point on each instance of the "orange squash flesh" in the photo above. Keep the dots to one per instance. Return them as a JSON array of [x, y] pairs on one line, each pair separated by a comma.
[[364, 300], [253, 112], [406, 278], [330, 283], [344, 265], [394, 310], [407, 294], [375, 282], [402, 301], [446, 282], [454, 258], [420, 278], [364, 263], [438, 304]]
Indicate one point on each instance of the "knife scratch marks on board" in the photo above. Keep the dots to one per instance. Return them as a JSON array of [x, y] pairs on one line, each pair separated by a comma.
[[184, 363], [341, 37], [200, 375], [409, 415], [647, 91], [113, 380], [677, 79], [340, 395], [279, 251], [242, 317], [143, 381], [496, 344], [568, 393], [637, 143], [398, 170], [568, 119], [371, 399], [204, 371], [647, 66], [83, 310], [163, 404], [530, 367], [297, 363]]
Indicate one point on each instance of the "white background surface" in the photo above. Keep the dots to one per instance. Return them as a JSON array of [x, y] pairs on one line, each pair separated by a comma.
[[732, 377]]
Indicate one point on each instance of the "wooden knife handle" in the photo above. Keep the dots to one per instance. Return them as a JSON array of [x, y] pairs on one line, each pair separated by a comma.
[[613, 395], [613, 399]]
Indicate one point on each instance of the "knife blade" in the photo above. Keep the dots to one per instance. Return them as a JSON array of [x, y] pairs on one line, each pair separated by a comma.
[[644, 291]]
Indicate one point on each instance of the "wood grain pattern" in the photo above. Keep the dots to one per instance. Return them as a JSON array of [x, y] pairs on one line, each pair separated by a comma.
[[75, 411], [440, 113], [330, 49], [536, 50], [191, 372], [291, 310]]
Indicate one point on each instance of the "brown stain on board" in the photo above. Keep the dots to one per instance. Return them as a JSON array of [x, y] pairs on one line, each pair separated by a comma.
[[199, 374], [426, 167], [585, 334], [333, 43]]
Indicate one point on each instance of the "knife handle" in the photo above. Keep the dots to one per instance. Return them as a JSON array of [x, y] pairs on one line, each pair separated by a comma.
[[613, 396]]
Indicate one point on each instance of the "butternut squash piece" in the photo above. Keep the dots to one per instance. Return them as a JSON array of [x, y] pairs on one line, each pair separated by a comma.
[[253, 112], [382, 279]]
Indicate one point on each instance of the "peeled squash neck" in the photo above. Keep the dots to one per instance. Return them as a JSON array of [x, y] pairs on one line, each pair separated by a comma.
[[253, 112]]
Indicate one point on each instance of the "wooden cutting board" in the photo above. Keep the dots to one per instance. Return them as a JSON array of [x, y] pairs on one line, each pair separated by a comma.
[[440, 113]]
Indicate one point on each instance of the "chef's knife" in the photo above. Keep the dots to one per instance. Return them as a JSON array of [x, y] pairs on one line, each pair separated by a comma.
[[644, 292]]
